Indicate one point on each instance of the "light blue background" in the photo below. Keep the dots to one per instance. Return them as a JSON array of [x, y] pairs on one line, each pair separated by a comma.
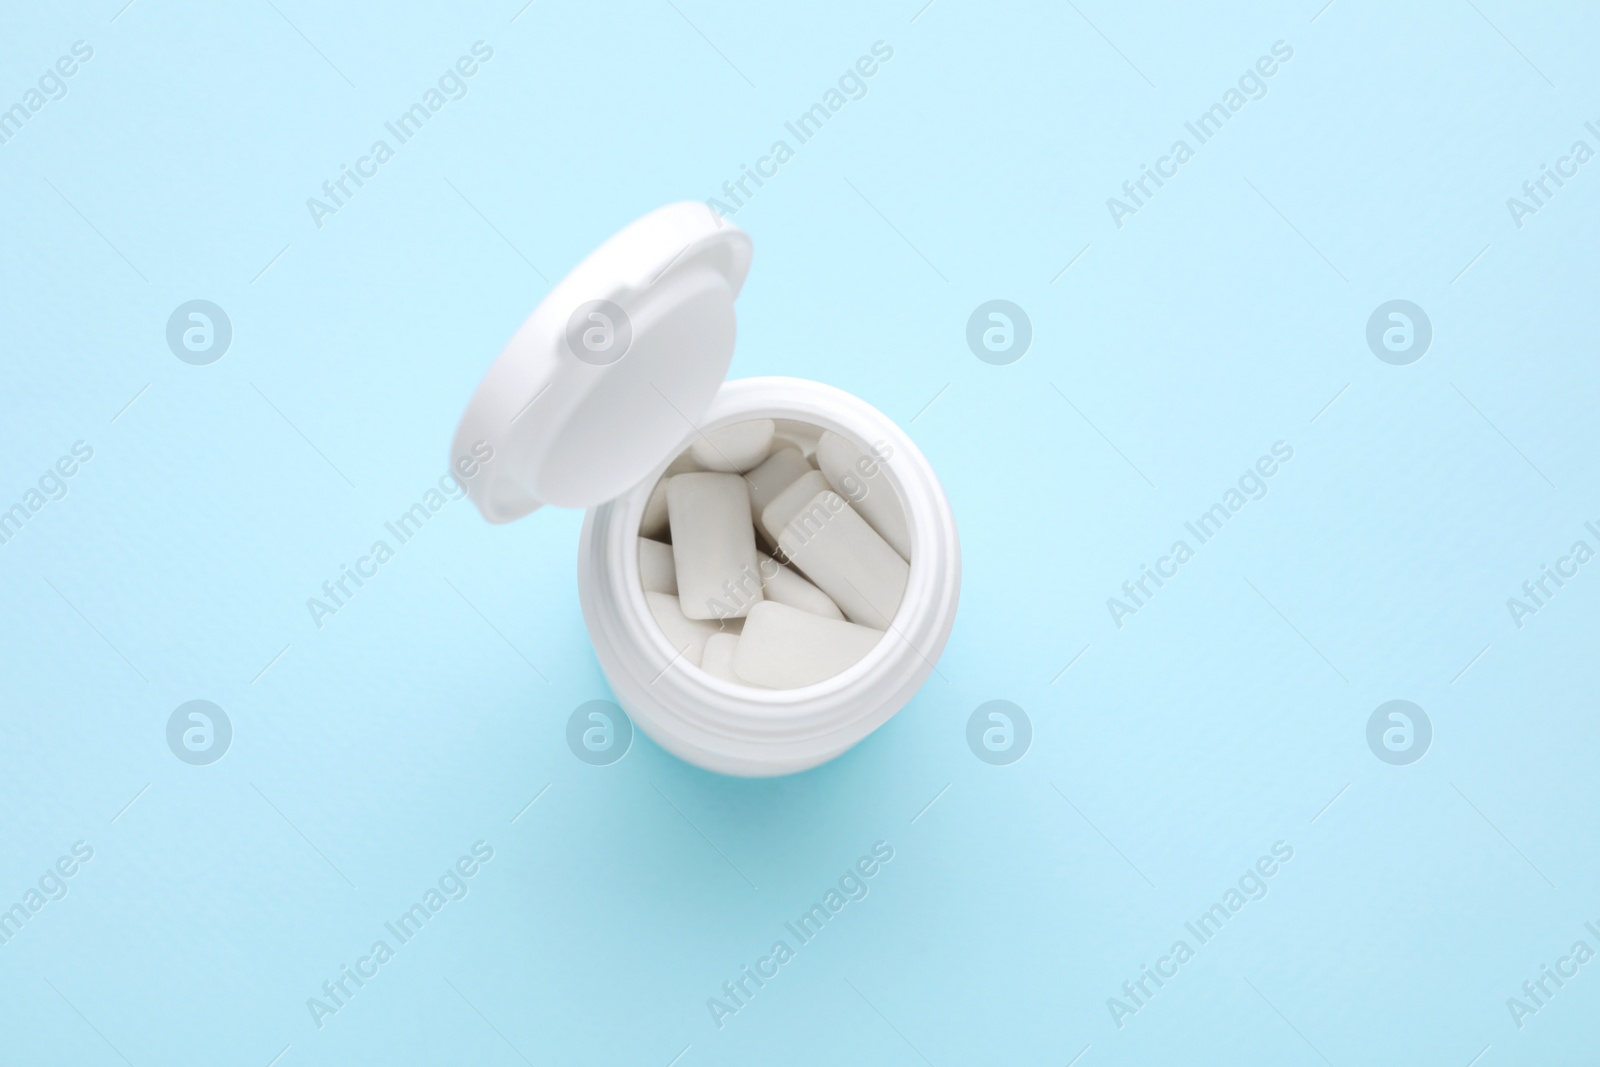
[[1226, 715]]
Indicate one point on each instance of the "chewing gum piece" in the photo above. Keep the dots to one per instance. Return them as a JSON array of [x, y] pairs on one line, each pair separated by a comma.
[[785, 648], [656, 571], [687, 635], [801, 435], [718, 658], [845, 558], [874, 499], [713, 545], [775, 474], [783, 585], [776, 515], [733, 448]]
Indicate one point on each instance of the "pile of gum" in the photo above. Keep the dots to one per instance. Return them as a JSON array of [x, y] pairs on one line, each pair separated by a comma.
[[773, 554]]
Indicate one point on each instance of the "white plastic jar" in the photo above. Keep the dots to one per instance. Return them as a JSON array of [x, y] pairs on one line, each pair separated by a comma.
[[614, 374]]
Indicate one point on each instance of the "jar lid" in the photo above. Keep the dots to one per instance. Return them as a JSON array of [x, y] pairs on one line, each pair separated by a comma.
[[612, 371]]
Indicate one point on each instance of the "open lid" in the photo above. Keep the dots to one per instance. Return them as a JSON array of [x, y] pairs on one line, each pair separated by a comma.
[[611, 372]]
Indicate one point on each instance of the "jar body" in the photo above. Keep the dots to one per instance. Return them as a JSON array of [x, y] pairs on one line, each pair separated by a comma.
[[742, 730]]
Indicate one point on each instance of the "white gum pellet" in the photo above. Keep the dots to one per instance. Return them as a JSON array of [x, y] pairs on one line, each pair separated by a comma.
[[783, 585], [718, 658], [682, 465], [735, 448], [859, 479], [656, 571], [784, 648], [776, 515], [845, 558], [775, 474], [688, 636], [713, 545], [802, 436], [654, 524]]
